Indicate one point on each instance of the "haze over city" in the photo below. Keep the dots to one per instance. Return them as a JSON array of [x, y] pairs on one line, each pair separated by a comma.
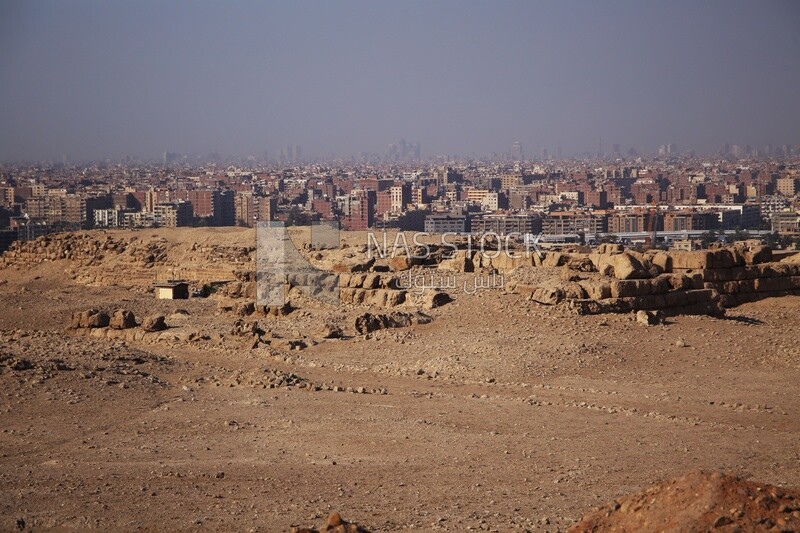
[[91, 79]]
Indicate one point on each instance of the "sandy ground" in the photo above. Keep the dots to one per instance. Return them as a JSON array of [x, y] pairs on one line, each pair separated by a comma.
[[500, 415]]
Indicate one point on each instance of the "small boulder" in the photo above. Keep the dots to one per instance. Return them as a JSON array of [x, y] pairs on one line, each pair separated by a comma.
[[334, 524], [400, 262], [245, 308], [154, 323], [99, 320], [122, 319], [547, 294], [91, 318], [276, 310], [246, 329], [436, 298], [367, 323], [649, 318], [331, 331]]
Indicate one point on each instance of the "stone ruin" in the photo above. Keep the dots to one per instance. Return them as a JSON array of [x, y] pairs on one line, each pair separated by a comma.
[[608, 279], [611, 280]]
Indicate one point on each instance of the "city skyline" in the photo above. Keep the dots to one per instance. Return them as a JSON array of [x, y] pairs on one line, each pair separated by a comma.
[[90, 80]]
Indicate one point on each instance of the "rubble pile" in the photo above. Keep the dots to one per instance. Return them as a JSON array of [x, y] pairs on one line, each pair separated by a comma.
[[270, 379], [368, 322]]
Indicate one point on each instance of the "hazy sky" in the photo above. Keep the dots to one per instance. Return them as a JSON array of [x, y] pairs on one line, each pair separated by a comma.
[[92, 79]]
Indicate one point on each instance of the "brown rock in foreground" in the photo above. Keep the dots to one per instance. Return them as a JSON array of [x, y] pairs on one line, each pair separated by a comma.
[[699, 501], [334, 524]]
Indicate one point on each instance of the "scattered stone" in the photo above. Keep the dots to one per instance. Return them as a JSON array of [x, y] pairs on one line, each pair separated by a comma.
[[246, 329], [369, 322], [276, 310]]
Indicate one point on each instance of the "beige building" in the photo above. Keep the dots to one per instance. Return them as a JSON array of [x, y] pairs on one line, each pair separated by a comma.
[[787, 186], [476, 195]]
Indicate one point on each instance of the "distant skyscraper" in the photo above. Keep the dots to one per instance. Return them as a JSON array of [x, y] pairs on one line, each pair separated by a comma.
[[287, 154], [290, 154], [516, 151], [405, 151], [545, 154], [616, 149]]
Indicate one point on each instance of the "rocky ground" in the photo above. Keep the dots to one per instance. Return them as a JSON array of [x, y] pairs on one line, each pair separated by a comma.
[[501, 414]]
